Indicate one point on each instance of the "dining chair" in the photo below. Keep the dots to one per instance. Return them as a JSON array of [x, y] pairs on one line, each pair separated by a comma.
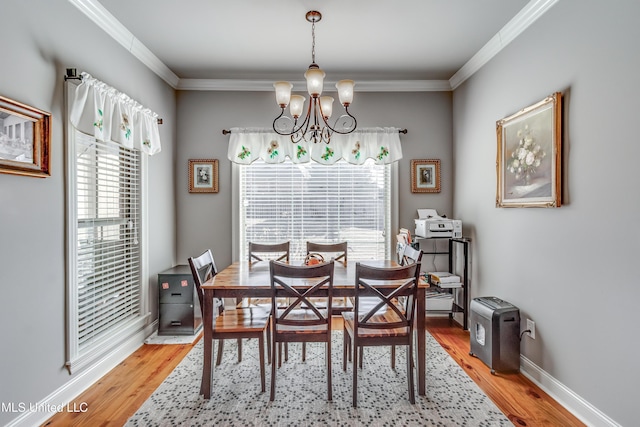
[[406, 255], [384, 323], [238, 323], [338, 251], [302, 320], [269, 251], [260, 252], [410, 255]]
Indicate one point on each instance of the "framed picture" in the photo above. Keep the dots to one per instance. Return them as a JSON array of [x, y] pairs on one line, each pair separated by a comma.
[[529, 156], [425, 176], [203, 176], [25, 138]]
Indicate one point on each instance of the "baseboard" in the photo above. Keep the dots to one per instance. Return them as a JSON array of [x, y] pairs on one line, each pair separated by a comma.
[[586, 412], [59, 400]]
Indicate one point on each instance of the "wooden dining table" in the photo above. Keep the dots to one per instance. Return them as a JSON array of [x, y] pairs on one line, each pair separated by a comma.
[[244, 280]]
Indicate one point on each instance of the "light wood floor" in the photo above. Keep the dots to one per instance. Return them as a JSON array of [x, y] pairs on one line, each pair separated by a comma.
[[117, 396]]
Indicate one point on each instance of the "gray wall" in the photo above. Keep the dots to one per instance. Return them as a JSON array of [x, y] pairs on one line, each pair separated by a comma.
[[204, 220], [40, 39], [572, 270]]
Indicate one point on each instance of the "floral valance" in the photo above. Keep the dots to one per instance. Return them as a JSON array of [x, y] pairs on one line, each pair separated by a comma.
[[109, 115], [381, 144]]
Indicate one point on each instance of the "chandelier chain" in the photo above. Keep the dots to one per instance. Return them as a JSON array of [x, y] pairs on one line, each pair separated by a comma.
[[313, 42]]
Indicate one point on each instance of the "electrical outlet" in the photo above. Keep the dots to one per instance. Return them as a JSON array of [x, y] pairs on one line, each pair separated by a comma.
[[531, 326]]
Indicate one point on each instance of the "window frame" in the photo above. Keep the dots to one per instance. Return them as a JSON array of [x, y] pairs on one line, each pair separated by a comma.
[[77, 360]]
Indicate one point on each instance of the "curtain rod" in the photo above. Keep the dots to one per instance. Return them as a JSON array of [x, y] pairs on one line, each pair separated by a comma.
[[72, 74], [227, 132]]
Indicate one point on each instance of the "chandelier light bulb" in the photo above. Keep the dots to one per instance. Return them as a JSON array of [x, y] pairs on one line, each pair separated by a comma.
[[315, 79], [283, 93], [345, 91], [326, 106], [296, 106]]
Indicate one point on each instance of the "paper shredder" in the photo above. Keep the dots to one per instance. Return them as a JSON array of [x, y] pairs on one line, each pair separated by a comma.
[[495, 333]]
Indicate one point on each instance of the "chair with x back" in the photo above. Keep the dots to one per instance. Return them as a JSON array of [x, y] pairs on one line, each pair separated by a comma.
[[409, 255], [337, 251], [385, 323], [265, 252], [302, 320], [268, 251], [245, 322]]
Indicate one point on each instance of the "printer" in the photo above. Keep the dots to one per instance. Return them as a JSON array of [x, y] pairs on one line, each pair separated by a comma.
[[431, 225]]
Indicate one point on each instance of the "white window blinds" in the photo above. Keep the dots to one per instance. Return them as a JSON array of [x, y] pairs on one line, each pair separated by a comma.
[[108, 209], [105, 290], [314, 202]]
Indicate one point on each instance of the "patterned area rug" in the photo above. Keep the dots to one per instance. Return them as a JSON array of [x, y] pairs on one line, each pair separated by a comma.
[[452, 398]]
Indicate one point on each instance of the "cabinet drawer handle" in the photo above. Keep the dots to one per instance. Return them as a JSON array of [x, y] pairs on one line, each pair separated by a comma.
[[176, 294], [176, 323]]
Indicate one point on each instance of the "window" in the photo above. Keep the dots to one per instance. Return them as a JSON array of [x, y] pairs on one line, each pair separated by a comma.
[[311, 201], [104, 249]]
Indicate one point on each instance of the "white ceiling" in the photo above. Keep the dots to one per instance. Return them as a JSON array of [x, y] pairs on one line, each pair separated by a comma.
[[204, 43]]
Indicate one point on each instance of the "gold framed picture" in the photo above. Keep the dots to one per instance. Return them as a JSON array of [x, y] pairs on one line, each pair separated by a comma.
[[203, 175], [25, 138], [528, 164], [425, 176]]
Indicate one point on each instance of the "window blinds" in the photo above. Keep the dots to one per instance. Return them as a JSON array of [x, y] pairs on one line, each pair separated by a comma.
[[315, 202], [108, 261]]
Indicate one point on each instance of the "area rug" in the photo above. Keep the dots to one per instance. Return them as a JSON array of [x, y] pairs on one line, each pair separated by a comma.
[[171, 339], [452, 398]]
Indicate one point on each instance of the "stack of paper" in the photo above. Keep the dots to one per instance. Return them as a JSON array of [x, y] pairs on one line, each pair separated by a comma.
[[404, 236], [439, 301], [444, 279]]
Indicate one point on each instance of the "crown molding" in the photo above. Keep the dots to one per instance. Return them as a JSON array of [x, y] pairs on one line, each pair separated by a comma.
[[267, 86], [527, 16], [105, 20]]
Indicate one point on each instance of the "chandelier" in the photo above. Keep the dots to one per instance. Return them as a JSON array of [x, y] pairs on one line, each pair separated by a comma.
[[315, 125]]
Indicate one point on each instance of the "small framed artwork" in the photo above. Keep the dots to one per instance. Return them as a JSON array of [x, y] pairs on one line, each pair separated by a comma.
[[425, 176], [203, 176], [529, 152], [25, 138]]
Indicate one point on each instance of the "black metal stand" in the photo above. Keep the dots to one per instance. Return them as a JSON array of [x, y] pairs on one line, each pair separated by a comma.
[[458, 307]]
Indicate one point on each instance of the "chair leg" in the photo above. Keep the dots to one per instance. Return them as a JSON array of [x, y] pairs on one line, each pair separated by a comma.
[[220, 348], [286, 352], [393, 357], [412, 396], [272, 393], [355, 375], [304, 351], [261, 355], [268, 343], [361, 356], [279, 354], [344, 349], [239, 350], [329, 387]]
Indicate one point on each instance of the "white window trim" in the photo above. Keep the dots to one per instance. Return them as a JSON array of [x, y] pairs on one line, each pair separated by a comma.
[[235, 208], [101, 349]]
